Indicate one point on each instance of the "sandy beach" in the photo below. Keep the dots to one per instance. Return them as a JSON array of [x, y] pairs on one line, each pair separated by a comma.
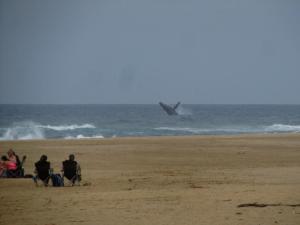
[[207, 180]]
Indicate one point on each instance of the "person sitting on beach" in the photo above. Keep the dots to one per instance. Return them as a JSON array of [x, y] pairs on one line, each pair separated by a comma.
[[71, 169], [13, 157], [42, 170], [6, 165]]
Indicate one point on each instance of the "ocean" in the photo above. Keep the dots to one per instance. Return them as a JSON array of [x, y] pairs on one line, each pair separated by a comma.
[[25, 122]]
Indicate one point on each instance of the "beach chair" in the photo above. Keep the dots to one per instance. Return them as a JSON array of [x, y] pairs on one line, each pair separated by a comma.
[[19, 172], [43, 172], [71, 171]]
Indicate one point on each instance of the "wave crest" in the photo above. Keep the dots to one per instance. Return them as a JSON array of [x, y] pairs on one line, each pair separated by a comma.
[[68, 127], [80, 136], [280, 128], [283, 128], [184, 129], [23, 131], [28, 130]]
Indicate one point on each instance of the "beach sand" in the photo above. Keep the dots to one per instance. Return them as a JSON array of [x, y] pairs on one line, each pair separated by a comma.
[[160, 181]]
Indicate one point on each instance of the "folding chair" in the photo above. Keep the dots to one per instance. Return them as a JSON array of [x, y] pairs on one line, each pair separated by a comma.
[[71, 170], [43, 172]]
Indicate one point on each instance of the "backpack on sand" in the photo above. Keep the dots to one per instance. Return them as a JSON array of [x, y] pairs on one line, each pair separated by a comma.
[[57, 180]]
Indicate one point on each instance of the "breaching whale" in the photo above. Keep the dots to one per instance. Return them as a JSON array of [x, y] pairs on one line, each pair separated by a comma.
[[169, 109]]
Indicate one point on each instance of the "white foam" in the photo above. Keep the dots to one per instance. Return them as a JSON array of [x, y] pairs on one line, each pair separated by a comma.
[[183, 111], [209, 130], [68, 127], [263, 129], [283, 128], [28, 130], [80, 136], [185, 129], [23, 131]]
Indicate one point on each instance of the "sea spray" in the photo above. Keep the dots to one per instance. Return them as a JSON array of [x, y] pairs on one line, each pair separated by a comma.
[[182, 111], [23, 131]]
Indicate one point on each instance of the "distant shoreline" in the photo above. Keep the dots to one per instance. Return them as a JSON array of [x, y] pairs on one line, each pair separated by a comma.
[[227, 136]]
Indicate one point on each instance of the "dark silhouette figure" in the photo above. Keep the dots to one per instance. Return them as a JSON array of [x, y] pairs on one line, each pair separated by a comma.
[[71, 170], [42, 170], [170, 110]]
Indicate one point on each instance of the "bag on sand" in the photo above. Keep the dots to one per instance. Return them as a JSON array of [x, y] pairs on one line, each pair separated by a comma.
[[57, 180]]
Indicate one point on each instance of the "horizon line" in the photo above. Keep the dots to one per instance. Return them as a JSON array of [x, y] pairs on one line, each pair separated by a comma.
[[148, 103]]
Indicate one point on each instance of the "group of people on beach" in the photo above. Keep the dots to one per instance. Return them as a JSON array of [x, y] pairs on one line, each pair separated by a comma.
[[70, 169], [12, 167], [9, 164]]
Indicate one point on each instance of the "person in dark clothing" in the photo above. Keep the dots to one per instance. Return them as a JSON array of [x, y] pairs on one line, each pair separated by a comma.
[[42, 170], [71, 169]]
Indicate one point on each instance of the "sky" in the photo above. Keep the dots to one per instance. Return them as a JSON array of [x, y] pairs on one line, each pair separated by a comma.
[[143, 52]]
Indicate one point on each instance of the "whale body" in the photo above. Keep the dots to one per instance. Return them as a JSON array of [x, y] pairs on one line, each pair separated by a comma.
[[170, 110]]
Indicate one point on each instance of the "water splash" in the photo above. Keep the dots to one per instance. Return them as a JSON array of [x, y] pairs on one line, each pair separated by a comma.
[[23, 131], [183, 111]]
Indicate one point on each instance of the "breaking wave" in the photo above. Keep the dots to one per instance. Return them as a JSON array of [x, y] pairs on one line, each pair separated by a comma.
[[205, 131], [185, 129], [28, 130], [23, 131], [80, 136], [283, 128], [275, 128], [68, 127]]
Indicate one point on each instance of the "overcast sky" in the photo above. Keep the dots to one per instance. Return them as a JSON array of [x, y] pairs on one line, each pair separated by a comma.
[[135, 51]]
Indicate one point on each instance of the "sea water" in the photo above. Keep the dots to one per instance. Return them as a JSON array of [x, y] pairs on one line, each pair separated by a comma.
[[23, 122]]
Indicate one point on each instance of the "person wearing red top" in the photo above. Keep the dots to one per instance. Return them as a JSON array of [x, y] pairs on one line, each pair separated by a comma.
[[12, 156], [6, 165]]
